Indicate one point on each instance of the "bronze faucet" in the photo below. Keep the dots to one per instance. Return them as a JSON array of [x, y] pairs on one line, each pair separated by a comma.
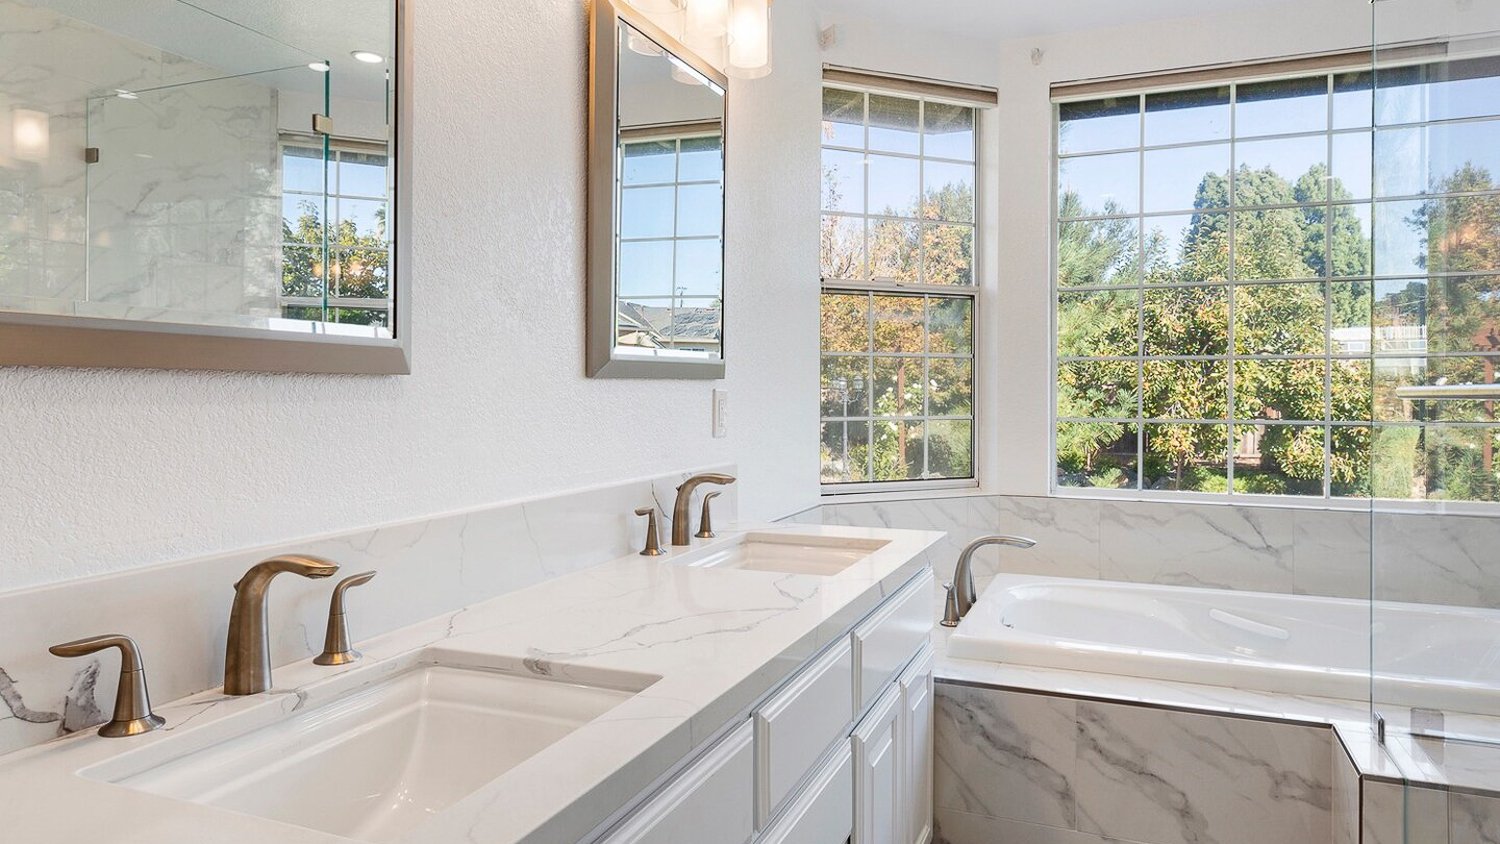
[[247, 657], [133, 714], [961, 593], [682, 531]]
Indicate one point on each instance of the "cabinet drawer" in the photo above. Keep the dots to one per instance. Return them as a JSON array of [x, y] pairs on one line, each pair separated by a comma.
[[824, 812], [886, 641], [710, 802], [796, 727]]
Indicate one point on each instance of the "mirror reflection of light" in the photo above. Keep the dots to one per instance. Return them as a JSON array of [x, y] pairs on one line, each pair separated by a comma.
[[31, 134], [320, 67], [367, 56]]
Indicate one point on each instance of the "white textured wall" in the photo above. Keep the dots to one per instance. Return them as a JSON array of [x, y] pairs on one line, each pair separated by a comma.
[[102, 471]]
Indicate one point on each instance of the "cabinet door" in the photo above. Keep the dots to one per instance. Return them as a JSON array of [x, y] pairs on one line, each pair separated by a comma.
[[915, 732], [797, 726], [877, 773], [823, 812], [709, 803]]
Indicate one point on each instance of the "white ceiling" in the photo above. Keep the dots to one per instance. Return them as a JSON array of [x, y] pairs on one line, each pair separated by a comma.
[[1001, 19]]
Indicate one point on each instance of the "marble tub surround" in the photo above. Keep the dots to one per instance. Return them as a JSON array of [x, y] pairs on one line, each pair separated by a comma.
[[179, 612], [1429, 557], [1090, 771], [718, 639]]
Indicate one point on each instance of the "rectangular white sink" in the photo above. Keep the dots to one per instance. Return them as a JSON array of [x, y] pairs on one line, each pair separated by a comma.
[[790, 553], [375, 764]]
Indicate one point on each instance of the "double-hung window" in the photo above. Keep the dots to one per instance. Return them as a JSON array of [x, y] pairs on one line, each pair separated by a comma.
[[898, 290]]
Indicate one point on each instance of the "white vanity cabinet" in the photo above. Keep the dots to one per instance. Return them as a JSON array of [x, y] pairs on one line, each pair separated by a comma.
[[708, 803], [839, 752]]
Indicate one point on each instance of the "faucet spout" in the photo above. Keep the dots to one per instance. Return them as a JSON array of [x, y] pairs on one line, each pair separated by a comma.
[[247, 655], [682, 531], [961, 594]]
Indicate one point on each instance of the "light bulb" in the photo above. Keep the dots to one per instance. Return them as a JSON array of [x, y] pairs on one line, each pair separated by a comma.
[[749, 38], [320, 67], [367, 56]]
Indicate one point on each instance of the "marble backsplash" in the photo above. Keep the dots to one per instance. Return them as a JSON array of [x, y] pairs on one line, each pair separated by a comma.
[[1422, 557], [178, 612]]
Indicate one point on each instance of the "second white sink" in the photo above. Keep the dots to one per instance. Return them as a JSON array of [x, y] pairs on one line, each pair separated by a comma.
[[790, 553], [375, 764]]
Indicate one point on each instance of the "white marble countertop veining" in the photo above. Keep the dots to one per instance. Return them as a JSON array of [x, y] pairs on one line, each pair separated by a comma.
[[718, 639]]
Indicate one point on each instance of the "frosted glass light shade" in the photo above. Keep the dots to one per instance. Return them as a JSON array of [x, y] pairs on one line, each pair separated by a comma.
[[707, 19], [749, 38]]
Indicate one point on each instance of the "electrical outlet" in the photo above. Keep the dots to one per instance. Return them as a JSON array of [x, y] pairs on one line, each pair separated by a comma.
[[721, 413]]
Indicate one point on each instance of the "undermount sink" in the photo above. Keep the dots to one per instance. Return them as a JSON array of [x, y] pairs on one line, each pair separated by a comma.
[[789, 553], [375, 764]]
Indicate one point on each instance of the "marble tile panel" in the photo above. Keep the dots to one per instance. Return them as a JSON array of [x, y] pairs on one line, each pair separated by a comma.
[[955, 827], [1215, 546], [1345, 806], [1396, 814], [1187, 778], [1066, 531], [1005, 754], [1473, 819], [1436, 558], [1331, 553]]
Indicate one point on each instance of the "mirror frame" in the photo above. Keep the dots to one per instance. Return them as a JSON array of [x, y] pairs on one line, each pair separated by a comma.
[[86, 342], [603, 215]]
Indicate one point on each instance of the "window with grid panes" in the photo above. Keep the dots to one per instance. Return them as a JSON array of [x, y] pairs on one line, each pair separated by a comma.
[[898, 289], [1236, 281], [336, 252], [671, 247]]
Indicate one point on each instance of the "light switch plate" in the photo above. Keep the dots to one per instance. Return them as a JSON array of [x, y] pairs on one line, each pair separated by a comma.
[[721, 414]]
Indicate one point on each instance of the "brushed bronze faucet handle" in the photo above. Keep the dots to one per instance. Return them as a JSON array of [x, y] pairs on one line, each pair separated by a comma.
[[133, 714], [336, 647], [682, 531], [653, 536], [705, 523]]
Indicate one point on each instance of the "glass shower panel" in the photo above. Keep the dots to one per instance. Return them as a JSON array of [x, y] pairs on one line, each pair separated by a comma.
[[1435, 513]]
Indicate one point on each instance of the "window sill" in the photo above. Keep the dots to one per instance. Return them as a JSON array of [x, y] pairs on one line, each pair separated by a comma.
[[1280, 502], [914, 490]]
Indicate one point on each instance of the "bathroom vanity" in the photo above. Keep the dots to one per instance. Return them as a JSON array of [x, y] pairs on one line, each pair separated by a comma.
[[771, 685]]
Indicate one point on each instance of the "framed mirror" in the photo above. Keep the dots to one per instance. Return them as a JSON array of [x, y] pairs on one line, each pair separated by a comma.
[[656, 203], [204, 185]]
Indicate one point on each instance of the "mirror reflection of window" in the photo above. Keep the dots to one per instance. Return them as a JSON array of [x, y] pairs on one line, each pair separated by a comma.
[[349, 280], [670, 199]]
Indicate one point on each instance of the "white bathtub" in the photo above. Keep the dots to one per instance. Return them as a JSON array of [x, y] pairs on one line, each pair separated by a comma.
[[1431, 656]]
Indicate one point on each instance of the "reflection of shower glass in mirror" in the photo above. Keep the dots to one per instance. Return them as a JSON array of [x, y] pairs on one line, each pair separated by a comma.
[[670, 223], [170, 170]]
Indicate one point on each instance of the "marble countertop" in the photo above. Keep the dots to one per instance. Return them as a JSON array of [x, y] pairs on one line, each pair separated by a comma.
[[719, 639]]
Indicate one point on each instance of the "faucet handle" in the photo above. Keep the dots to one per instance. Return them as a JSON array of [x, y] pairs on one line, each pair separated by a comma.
[[653, 536], [133, 714], [705, 524], [336, 648], [951, 616]]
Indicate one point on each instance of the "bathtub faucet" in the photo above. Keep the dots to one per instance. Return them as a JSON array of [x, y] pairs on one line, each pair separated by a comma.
[[961, 594]]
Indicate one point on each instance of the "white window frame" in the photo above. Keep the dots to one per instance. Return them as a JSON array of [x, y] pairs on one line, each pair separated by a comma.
[[876, 287]]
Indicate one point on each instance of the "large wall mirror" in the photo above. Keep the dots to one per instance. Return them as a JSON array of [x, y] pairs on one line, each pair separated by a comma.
[[210, 184], [656, 204]]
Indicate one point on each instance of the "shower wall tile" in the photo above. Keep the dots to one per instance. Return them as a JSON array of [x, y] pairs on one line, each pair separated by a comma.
[[1015, 767], [1222, 547]]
